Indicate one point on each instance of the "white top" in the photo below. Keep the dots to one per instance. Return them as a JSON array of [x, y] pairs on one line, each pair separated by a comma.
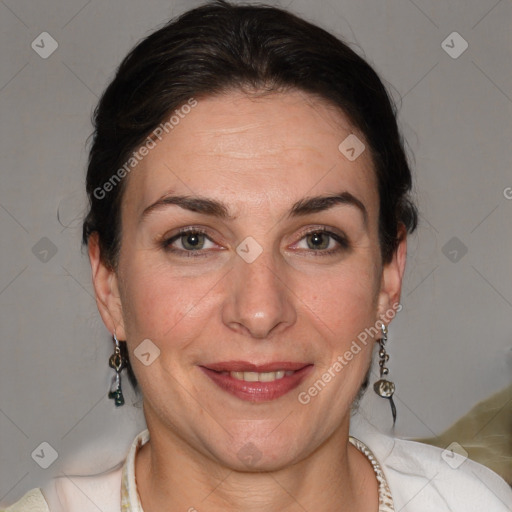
[[412, 477]]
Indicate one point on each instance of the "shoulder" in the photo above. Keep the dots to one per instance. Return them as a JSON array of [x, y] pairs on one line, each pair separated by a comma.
[[81, 493], [425, 478], [431, 475], [85, 493], [32, 501], [74, 494]]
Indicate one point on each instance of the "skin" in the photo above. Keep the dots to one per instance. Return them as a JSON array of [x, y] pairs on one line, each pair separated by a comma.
[[259, 156]]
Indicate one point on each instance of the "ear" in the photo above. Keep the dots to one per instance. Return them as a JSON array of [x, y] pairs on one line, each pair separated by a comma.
[[106, 290], [392, 275]]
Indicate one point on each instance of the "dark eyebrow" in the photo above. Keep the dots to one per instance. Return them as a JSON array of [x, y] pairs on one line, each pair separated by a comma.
[[193, 204], [321, 203], [215, 208]]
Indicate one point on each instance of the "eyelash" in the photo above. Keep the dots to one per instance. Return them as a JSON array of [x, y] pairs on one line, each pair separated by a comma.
[[166, 244]]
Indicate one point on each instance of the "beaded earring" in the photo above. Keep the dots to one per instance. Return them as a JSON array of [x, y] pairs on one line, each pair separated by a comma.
[[385, 388], [117, 362]]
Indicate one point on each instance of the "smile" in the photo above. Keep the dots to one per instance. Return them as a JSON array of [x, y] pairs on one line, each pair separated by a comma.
[[257, 383]]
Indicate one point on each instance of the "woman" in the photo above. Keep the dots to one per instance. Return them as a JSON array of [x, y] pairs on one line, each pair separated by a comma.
[[249, 207]]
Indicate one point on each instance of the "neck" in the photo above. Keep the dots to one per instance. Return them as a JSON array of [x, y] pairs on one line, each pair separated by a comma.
[[173, 476]]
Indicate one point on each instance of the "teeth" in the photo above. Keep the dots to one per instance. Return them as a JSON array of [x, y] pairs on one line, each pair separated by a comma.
[[270, 376], [260, 376]]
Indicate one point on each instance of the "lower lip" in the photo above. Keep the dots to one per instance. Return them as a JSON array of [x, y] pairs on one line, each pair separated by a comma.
[[258, 391]]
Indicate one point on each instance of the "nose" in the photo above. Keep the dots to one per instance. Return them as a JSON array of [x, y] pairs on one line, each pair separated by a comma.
[[258, 301]]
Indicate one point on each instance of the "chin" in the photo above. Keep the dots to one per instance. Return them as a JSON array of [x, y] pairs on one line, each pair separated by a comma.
[[252, 459], [258, 453]]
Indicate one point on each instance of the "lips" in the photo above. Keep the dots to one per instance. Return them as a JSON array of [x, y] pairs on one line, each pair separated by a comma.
[[257, 382]]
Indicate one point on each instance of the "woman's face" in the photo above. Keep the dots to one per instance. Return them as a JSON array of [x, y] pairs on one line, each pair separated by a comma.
[[271, 276]]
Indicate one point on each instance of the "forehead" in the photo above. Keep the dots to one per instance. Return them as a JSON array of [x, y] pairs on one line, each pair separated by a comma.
[[252, 151]]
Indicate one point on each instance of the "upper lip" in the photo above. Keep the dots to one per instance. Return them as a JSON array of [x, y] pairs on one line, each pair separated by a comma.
[[246, 366]]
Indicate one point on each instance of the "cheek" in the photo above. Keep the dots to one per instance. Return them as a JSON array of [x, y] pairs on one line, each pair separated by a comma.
[[343, 300], [159, 305], [170, 313]]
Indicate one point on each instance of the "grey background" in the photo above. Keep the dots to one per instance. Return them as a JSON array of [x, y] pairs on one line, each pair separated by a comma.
[[450, 346]]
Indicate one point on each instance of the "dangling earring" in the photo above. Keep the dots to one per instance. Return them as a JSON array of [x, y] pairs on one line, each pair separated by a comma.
[[117, 362], [384, 388]]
